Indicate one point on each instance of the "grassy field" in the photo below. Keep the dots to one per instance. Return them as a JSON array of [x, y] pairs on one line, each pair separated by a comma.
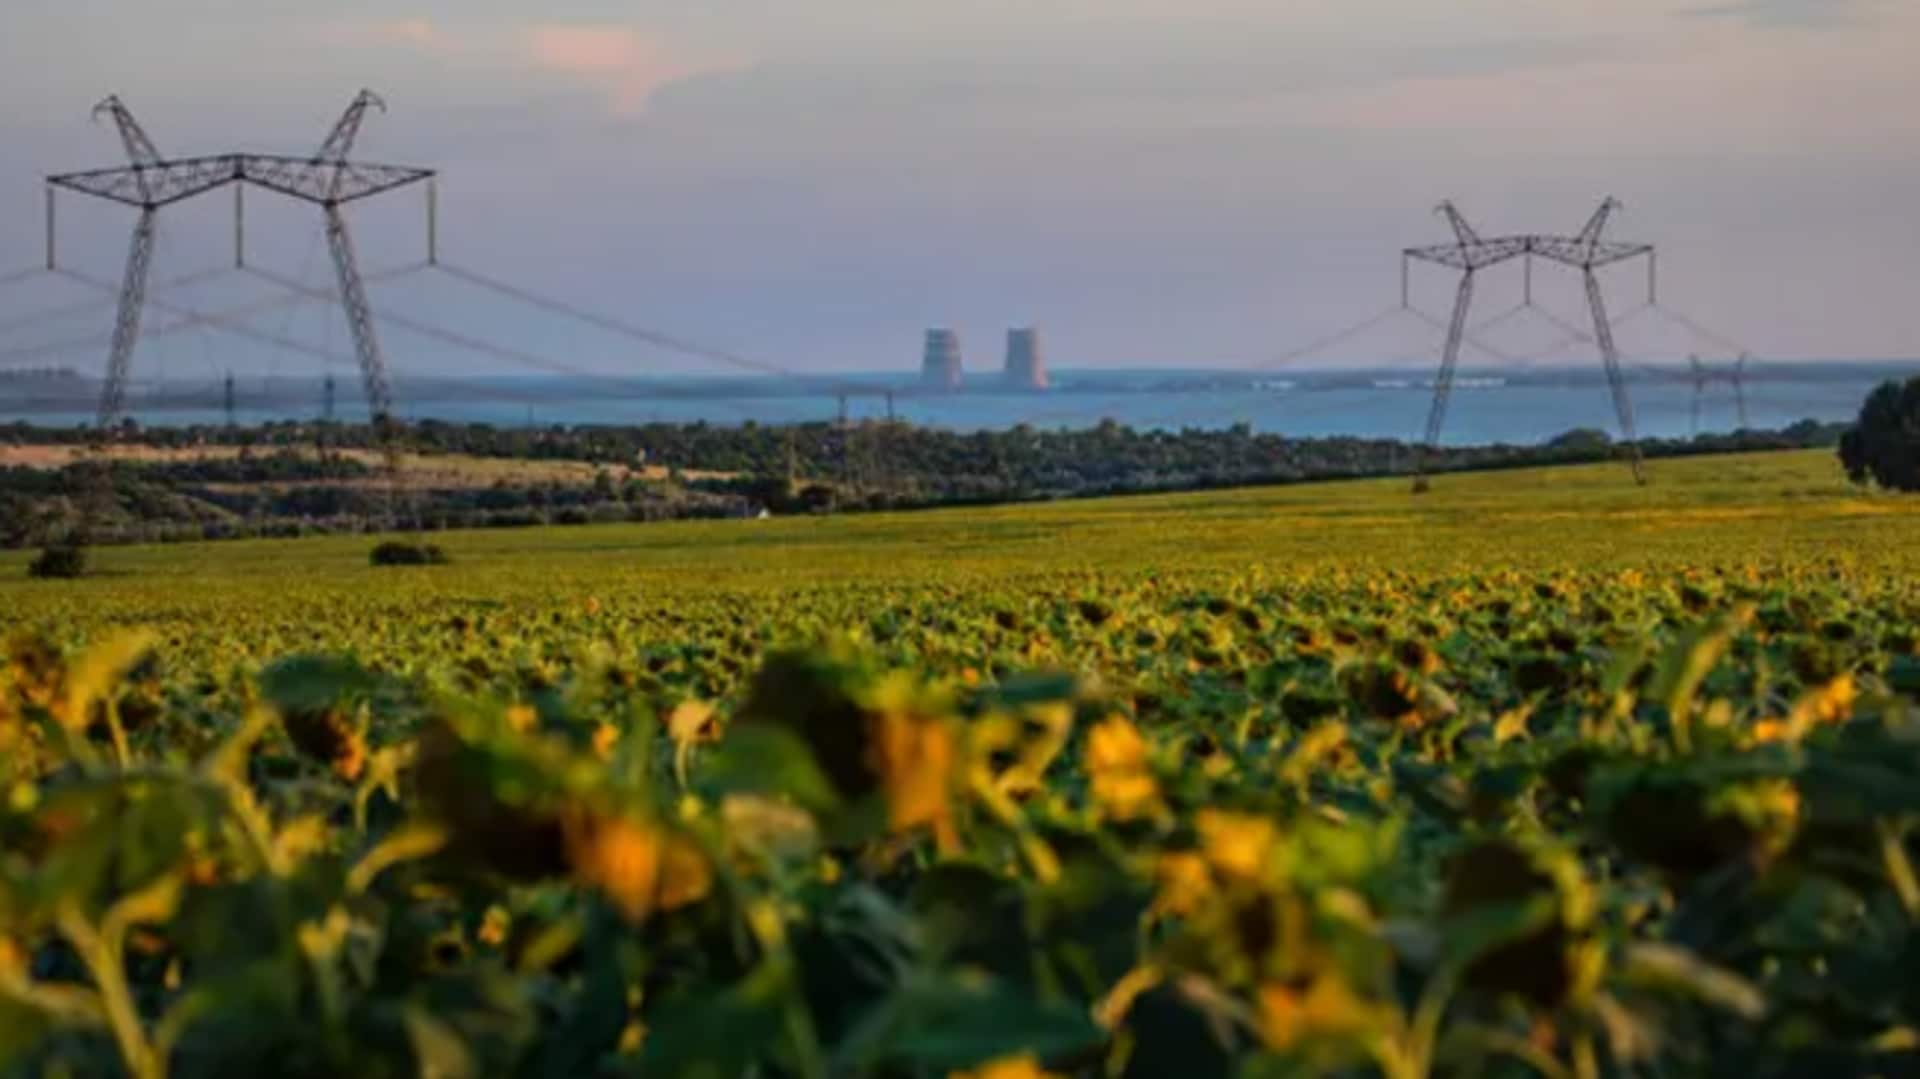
[[1540, 774], [1761, 509]]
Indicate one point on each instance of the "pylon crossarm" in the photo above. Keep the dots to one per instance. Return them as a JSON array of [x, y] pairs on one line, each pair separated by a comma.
[[167, 182], [1608, 254], [323, 183], [1566, 250], [1475, 256], [160, 184], [1581, 255]]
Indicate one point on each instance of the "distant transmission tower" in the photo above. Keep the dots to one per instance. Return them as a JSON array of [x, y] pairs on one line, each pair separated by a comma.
[[1699, 391], [227, 400], [1736, 376], [326, 417], [1587, 252], [1740, 390]]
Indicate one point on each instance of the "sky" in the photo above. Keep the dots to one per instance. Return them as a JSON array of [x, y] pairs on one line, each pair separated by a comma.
[[1151, 182]]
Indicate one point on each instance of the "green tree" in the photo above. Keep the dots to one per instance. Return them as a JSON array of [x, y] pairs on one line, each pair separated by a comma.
[[1884, 444]]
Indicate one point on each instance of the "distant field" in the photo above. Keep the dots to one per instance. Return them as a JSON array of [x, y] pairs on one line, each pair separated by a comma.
[[442, 471], [1761, 509]]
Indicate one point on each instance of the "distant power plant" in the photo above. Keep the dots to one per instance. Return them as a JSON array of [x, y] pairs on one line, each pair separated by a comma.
[[940, 367], [1026, 367]]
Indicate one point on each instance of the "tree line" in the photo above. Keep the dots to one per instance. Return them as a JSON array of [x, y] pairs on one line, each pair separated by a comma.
[[279, 485]]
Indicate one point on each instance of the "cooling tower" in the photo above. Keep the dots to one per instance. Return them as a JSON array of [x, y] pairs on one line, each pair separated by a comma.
[[1026, 367], [940, 368]]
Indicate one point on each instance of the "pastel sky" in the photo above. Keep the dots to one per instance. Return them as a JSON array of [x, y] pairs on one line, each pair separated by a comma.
[[1153, 182]]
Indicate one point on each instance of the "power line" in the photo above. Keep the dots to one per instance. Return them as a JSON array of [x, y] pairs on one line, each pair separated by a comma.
[[470, 343], [1502, 318], [83, 307], [1337, 338], [1293, 356], [1704, 332], [1574, 333], [637, 333], [441, 334], [224, 318], [190, 317]]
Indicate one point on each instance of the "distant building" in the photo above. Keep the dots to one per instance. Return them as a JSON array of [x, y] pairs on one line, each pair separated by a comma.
[[940, 367], [1026, 367]]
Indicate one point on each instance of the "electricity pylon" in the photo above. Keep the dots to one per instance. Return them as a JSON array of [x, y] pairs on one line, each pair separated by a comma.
[[1587, 251], [1737, 375], [1699, 391], [330, 179], [1740, 390]]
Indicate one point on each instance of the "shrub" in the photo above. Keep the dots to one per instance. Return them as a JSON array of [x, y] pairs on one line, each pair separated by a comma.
[[63, 561], [395, 553], [1582, 440], [1884, 445]]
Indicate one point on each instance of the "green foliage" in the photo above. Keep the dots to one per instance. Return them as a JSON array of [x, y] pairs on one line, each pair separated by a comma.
[[397, 553], [62, 561], [1884, 444]]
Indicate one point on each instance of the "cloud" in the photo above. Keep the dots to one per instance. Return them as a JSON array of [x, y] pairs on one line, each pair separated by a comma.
[[1130, 81], [414, 32], [630, 66], [1786, 13], [411, 31]]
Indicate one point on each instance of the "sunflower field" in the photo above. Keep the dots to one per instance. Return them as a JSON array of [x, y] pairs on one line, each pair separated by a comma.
[[1140, 807]]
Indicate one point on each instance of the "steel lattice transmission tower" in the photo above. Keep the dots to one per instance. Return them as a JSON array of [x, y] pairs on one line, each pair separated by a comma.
[[329, 179], [1704, 376], [1588, 251]]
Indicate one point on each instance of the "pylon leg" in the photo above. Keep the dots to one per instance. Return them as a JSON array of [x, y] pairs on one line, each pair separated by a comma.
[[126, 325], [366, 339], [98, 483], [1616, 381], [366, 345], [1443, 385]]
